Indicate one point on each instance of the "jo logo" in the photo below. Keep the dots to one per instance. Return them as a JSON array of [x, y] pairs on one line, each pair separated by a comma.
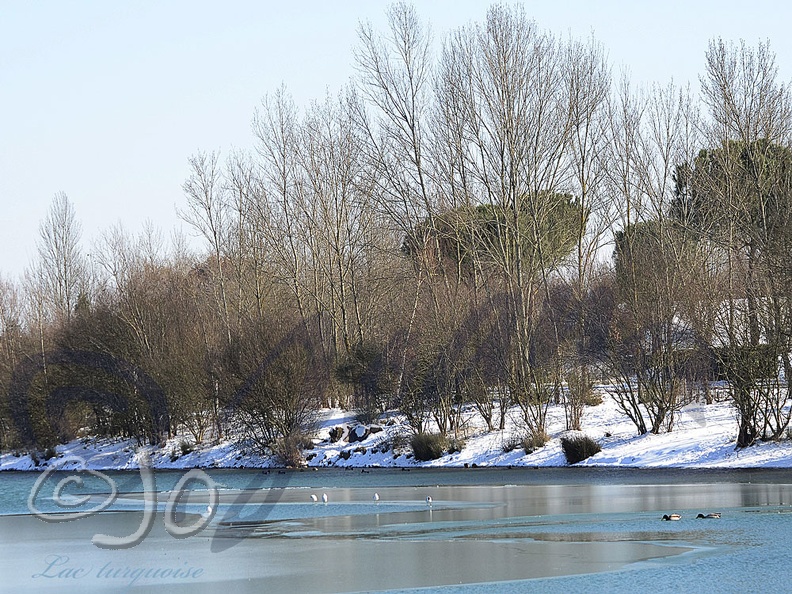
[[105, 541]]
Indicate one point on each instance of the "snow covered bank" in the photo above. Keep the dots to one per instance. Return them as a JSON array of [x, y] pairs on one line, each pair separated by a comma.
[[703, 437]]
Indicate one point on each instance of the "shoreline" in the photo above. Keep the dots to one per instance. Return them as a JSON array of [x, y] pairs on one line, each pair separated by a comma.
[[704, 437]]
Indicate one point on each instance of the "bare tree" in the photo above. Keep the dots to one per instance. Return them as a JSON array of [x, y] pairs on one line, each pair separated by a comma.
[[11, 350], [656, 259], [395, 80], [588, 77], [276, 216], [338, 218], [207, 212], [248, 249], [62, 265], [740, 196], [508, 126]]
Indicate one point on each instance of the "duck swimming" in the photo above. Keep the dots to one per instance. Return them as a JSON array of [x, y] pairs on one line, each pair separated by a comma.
[[712, 516], [671, 517]]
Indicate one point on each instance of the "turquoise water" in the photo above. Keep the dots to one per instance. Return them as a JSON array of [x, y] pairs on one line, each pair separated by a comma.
[[504, 530]]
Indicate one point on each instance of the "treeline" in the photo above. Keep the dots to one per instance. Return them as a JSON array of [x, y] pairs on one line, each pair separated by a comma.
[[498, 223]]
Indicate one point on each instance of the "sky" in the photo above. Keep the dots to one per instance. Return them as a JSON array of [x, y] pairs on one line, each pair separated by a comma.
[[107, 101]]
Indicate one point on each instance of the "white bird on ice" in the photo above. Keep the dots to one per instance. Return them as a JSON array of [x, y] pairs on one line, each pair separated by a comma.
[[324, 497], [314, 498], [429, 500], [376, 496]]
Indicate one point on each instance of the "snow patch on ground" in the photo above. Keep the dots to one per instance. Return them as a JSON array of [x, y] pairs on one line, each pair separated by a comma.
[[703, 437]]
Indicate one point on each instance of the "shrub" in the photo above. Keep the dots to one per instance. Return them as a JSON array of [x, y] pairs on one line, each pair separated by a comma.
[[186, 447], [288, 450], [578, 447], [455, 445], [428, 446], [511, 444], [366, 416], [534, 441], [593, 398], [284, 392], [398, 442], [581, 389]]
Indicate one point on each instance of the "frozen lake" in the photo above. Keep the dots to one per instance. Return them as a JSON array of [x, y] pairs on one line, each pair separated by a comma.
[[527, 529]]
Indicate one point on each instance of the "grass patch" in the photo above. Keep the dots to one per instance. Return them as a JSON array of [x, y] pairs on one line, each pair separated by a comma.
[[534, 441], [428, 446]]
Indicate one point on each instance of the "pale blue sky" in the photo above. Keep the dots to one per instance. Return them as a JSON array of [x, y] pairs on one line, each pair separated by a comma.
[[106, 101]]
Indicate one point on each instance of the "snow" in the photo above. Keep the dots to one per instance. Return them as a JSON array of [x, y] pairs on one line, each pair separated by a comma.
[[703, 437]]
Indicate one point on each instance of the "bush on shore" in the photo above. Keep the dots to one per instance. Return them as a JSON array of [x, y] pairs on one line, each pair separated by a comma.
[[428, 446], [578, 447]]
